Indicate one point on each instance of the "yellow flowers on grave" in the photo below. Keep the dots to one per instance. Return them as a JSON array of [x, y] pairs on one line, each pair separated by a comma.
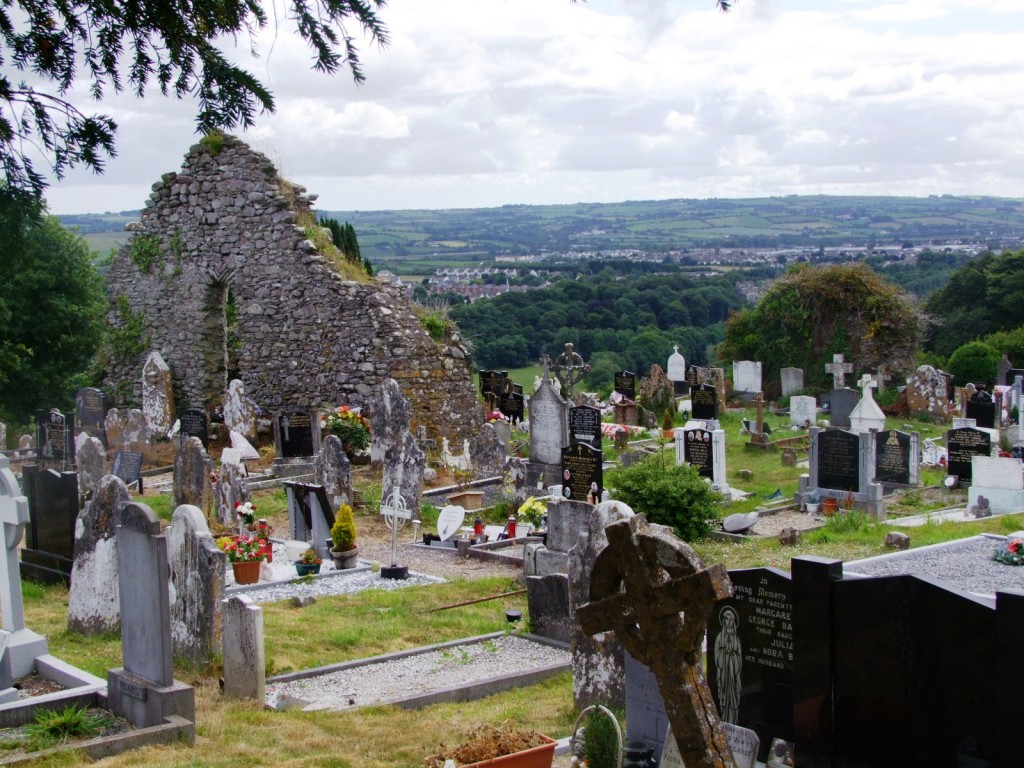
[[531, 511], [348, 426]]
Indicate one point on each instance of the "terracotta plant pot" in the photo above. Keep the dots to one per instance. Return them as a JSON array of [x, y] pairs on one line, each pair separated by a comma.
[[829, 507], [246, 573], [345, 560], [535, 757]]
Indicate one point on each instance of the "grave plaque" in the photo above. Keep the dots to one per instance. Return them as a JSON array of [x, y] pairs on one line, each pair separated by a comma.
[[55, 440], [582, 477], [91, 413], [982, 409], [50, 536], [295, 433], [512, 405], [585, 426], [750, 654], [127, 466], [449, 521], [625, 384], [704, 402], [193, 424], [892, 457], [839, 460], [698, 451], [962, 445]]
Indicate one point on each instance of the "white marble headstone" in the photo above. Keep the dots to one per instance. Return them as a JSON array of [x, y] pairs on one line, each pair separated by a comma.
[[449, 521]]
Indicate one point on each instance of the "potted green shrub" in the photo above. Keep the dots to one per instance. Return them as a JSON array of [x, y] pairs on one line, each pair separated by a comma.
[[344, 551], [308, 563], [667, 428]]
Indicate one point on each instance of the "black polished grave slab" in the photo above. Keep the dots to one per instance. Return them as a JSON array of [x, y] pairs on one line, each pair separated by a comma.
[[704, 402], [892, 457], [294, 433], [50, 533], [625, 384], [838, 460], [193, 423], [55, 440], [91, 413], [697, 449], [962, 445], [513, 405], [982, 409], [585, 426], [582, 473]]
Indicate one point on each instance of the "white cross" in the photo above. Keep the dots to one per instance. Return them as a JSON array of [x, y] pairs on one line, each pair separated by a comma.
[[395, 512], [867, 382], [13, 516]]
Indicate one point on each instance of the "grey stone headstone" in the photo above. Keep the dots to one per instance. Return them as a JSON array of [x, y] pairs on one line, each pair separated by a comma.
[[332, 470], [192, 468], [91, 460], [746, 376], [94, 602], [231, 488], [244, 660], [389, 419], [197, 568], [515, 472], [487, 452], [239, 411], [403, 470], [566, 521], [126, 431], [547, 598], [597, 660], [792, 380], [549, 428], [842, 402], [157, 396]]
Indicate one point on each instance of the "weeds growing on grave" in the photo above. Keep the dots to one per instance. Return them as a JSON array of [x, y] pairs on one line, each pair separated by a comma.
[[55, 727]]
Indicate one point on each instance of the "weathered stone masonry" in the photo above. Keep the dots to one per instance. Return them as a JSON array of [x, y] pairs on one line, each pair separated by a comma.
[[307, 335]]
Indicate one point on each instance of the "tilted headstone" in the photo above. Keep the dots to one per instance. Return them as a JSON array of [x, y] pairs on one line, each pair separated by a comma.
[[239, 410], [246, 450], [597, 659], [192, 469], [654, 591], [93, 602], [390, 417], [23, 645], [143, 690], [310, 515], [194, 423], [157, 395], [197, 567], [53, 510], [792, 381], [126, 430], [487, 452], [244, 656], [92, 461], [333, 472], [549, 429], [90, 413]]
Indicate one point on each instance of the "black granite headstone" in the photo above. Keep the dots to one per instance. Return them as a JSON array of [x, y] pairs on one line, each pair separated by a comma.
[[961, 446], [582, 475], [892, 457], [1011, 376], [55, 440], [295, 433], [50, 534], [91, 413], [585, 426], [127, 466], [839, 460], [750, 654], [193, 424], [513, 406], [841, 403], [982, 409], [704, 402], [697, 448], [625, 384]]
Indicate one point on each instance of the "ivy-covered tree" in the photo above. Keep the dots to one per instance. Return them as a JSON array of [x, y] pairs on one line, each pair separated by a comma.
[[51, 310], [813, 313], [133, 43]]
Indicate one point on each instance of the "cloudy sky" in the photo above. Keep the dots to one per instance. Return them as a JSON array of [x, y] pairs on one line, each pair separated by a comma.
[[488, 102]]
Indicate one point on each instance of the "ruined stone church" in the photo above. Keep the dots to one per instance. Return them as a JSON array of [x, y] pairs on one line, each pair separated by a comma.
[[223, 272]]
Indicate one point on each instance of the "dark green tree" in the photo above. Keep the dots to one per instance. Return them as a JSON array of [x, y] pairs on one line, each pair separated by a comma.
[[974, 362], [136, 42], [52, 304]]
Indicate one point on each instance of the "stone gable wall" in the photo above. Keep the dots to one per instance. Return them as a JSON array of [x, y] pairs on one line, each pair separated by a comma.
[[307, 335]]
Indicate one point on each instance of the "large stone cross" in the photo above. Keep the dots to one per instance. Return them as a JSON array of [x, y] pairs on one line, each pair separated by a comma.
[[866, 383], [653, 590], [839, 369], [569, 369]]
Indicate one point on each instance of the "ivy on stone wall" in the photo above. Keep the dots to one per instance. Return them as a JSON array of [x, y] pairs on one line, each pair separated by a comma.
[[145, 250]]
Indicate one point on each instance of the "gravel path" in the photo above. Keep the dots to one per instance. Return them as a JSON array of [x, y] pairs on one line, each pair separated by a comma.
[[414, 675], [772, 525], [966, 565]]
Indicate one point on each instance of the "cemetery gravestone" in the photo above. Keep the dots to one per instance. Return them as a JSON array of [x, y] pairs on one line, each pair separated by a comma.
[[839, 368], [144, 690], [676, 372], [928, 393], [625, 384], [704, 402], [194, 424], [197, 571], [490, 381], [841, 404], [405, 463], [897, 457], [999, 481], [746, 377], [126, 430], [962, 445], [192, 473], [449, 521], [157, 396], [310, 515], [582, 475], [486, 451], [55, 440], [239, 411], [803, 411], [513, 406], [585, 426], [244, 655], [389, 418], [705, 450], [838, 460], [91, 459], [91, 413], [866, 415], [333, 472], [982, 409], [295, 434], [128, 467], [53, 509], [395, 512], [1010, 375], [548, 427], [569, 368], [23, 645], [792, 381]]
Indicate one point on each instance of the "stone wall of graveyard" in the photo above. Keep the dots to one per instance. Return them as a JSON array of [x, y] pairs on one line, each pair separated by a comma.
[[307, 336]]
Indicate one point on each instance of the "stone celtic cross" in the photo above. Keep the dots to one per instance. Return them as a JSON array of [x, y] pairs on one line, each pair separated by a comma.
[[569, 369], [838, 368], [655, 593]]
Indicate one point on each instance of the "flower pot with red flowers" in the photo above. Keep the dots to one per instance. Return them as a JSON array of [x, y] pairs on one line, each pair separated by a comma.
[[245, 553], [308, 564], [350, 427]]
